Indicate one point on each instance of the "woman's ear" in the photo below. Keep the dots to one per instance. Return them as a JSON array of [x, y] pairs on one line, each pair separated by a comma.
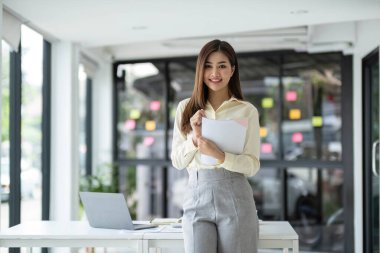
[[233, 70]]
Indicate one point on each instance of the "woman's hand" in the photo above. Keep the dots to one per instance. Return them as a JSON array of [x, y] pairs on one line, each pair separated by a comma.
[[209, 148], [195, 123]]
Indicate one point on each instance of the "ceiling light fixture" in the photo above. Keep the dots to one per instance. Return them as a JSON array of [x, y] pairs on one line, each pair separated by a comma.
[[299, 12], [141, 27]]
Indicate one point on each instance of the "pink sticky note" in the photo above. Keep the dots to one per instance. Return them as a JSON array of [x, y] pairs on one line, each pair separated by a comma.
[[130, 124], [155, 105], [297, 137], [291, 96], [266, 148], [243, 122], [148, 141]]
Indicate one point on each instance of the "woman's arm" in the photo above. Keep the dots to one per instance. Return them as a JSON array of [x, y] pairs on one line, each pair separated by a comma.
[[248, 162], [183, 148]]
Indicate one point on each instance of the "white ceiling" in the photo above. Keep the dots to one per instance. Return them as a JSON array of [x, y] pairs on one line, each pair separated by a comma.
[[143, 28]]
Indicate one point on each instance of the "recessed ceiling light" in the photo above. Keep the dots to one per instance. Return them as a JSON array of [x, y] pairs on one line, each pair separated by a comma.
[[299, 12], [141, 27]]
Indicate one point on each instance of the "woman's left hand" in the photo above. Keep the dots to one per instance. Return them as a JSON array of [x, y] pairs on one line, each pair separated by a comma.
[[207, 147]]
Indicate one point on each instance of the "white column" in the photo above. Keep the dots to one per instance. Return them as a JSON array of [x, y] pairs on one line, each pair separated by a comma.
[[1, 78], [102, 116], [64, 199]]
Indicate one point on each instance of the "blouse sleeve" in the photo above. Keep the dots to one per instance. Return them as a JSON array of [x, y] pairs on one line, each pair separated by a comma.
[[248, 162], [183, 148]]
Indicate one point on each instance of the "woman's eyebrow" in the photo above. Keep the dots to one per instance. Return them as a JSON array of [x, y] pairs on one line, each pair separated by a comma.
[[207, 62]]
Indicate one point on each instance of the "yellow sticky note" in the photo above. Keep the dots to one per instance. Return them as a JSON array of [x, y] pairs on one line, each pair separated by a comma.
[[150, 125], [263, 132], [295, 114], [317, 121]]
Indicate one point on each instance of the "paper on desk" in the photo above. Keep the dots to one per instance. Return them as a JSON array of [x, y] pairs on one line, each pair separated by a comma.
[[170, 229], [228, 135]]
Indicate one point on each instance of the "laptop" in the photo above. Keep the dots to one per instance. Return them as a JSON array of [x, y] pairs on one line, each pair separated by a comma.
[[109, 210]]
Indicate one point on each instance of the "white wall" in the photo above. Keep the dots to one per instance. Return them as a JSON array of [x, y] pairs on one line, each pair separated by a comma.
[[367, 39]]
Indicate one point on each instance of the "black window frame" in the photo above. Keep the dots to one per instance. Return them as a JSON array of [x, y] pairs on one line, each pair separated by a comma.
[[368, 218]]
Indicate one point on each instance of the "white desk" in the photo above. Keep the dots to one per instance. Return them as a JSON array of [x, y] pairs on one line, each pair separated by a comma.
[[68, 234], [273, 235], [80, 234]]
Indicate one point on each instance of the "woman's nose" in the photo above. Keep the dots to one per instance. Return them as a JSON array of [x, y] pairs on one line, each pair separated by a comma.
[[215, 72]]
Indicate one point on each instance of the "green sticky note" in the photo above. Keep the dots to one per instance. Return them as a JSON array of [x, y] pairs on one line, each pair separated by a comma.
[[317, 121], [134, 114], [267, 102]]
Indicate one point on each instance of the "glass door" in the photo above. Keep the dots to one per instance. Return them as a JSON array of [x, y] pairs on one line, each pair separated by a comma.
[[371, 151]]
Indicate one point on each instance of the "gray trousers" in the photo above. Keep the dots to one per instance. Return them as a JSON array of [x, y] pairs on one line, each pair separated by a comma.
[[219, 213]]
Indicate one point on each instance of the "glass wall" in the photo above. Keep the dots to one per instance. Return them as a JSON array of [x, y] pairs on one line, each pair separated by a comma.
[[28, 64], [260, 81], [31, 124], [298, 97], [82, 76], [5, 136], [315, 207], [141, 114], [25, 72], [312, 113]]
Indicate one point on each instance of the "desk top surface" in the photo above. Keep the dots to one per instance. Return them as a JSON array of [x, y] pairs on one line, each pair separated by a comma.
[[35, 230]]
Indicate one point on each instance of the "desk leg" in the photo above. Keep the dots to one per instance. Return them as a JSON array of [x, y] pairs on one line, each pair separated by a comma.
[[295, 246], [145, 246], [285, 250], [140, 247]]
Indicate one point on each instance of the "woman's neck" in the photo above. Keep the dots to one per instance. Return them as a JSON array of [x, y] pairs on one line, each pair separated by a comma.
[[216, 100]]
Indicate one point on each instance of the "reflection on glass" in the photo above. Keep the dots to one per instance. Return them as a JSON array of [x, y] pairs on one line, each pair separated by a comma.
[[312, 112], [31, 120], [82, 119], [141, 110], [259, 78], [332, 202], [143, 187], [5, 136], [182, 75], [375, 137], [177, 184], [266, 185], [315, 208]]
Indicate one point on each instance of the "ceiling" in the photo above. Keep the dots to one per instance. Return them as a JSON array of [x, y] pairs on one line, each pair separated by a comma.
[[132, 29]]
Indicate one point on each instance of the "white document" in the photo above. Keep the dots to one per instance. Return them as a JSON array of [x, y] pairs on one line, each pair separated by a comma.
[[228, 135]]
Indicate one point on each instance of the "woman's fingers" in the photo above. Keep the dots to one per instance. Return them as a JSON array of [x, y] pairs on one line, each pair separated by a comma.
[[196, 120]]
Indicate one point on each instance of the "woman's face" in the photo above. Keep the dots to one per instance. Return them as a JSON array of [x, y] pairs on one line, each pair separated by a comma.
[[217, 72]]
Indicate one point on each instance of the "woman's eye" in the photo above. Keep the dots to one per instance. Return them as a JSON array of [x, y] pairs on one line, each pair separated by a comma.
[[222, 66], [207, 66]]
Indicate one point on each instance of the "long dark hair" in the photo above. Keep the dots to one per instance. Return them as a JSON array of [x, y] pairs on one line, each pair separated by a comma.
[[199, 97]]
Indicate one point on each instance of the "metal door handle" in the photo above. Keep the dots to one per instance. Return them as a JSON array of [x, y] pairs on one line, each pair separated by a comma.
[[374, 170]]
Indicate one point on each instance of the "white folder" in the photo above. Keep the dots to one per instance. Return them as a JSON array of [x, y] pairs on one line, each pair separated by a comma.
[[228, 135]]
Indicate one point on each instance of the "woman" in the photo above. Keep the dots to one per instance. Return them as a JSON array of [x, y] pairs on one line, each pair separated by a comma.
[[219, 210]]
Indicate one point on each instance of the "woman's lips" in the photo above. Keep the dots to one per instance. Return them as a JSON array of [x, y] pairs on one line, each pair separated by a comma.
[[215, 80]]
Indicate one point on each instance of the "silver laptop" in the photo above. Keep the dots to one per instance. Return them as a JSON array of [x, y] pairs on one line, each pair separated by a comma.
[[108, 210]]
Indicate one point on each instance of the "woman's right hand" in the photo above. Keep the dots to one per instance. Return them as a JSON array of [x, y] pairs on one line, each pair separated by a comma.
[[195, 123]]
